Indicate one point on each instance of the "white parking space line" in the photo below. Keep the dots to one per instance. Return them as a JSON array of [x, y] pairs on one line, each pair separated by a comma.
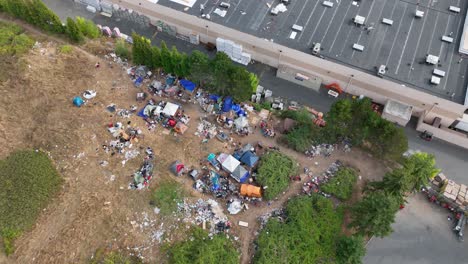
[[417, 44], [258, 22], [432, 35], [396, 35], [311, 13], [316, 26], [234, 12], [404, 46], [360, 33], [328, 26], [385, 33], [338, 31], [451, 47], [300, 13], [287, 16]]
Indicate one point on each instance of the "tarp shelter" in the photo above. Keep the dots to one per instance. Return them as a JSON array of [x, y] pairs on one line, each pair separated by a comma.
[[170, 109], [222, 157], [177, 168], [214, 177], [77, 101], [170, 80], [188, 85], [180, 128], [141, 71], [241, 122], [250, 190], [138, 81], [227, 104], [240, 174], [230, 164], [150, 110], [171, 90], [249, 159], [214, 97]]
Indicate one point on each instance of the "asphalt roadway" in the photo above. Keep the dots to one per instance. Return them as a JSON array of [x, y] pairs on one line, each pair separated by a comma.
[[422, 234], [402, 47]]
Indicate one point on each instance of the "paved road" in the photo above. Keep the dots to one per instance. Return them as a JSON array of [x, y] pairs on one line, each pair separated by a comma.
[[400, 46], [451, 159], [422, 235]]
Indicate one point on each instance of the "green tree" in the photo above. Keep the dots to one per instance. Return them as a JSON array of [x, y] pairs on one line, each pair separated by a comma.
[[137, 50], [350, 250], [73, 32], [375, 214], [199, 68], [338, 119], [274, 171], [396, 182], [155, 57], [121, 49], [166, 59], [88, 28], [221, 69], [421, 167], [200, 248], [179, 62], [308, 234], [341, 186]]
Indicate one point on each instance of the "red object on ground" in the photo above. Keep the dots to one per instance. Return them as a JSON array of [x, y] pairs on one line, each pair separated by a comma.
[[402, 206], [433, 198], [334, 87]]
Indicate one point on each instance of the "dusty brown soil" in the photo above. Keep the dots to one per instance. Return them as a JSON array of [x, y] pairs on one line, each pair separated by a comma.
[[92, 212]]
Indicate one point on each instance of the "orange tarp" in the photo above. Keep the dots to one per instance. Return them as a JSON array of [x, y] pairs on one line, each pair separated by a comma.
[[250, 191]]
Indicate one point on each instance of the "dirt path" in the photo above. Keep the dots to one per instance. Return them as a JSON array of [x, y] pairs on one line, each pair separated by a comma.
[[92, 211]]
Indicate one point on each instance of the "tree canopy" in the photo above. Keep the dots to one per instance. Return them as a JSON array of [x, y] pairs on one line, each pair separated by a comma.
[[201, 249], [274, 171], [308, 235], [374, 214], [342, 184], [73, 31], [350, 250]]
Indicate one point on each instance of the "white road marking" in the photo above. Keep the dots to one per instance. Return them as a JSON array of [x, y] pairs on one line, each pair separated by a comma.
[[432, 35], [452, 47], [360, 33], [233, 12], [404, 46], [396, 35], [316, 26], [338, 31], [328, 26], [386, 29], [417, 44], [307, 22]]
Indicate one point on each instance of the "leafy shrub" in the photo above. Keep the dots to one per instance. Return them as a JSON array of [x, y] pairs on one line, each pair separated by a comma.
[[9, 235], [13, 41], [66, 49], [166, 196], [28, 182], [121, 49], [73, 31], [350, 250], [274, 171], [200, 248], [341, 186], [308, 235], [88, 28]]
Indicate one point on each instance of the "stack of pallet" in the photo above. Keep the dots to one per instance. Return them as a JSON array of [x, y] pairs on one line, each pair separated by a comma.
[[451, 190], [233, 50], [439, 180], [462, 198]]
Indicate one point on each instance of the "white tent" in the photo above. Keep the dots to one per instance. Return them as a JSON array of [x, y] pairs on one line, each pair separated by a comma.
[[170, 109], [230, 164]]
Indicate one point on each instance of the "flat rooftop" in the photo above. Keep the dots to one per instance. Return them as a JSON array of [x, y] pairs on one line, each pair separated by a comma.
[[402, 46]]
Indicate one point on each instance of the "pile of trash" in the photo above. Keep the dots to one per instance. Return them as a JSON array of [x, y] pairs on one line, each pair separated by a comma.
[[206, 129], [215, 184], [279, 214], [112, 56], [142, 177], [323, 149], [207, 213]]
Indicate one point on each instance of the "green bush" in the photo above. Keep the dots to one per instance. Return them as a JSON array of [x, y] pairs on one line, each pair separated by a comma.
[[88, 28], [13, 41], [166, 196], [342, 184], [350, 250], [274, 171], [121, 49], [200, 248], [28, 182], [308, 235], [66, 49], [73, 32], [8, 236]]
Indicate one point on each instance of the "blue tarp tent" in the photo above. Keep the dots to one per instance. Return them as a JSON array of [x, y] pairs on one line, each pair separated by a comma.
[[170, 80], [188, 85], [236, 108], [138, 81], [227, 105], [214, 97], [249, 159], [77, 101]]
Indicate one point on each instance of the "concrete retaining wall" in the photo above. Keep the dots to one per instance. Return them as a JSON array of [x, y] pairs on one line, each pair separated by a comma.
[[444, 133]]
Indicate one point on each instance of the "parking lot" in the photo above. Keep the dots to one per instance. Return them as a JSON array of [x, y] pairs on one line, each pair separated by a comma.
[[402, 46]]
